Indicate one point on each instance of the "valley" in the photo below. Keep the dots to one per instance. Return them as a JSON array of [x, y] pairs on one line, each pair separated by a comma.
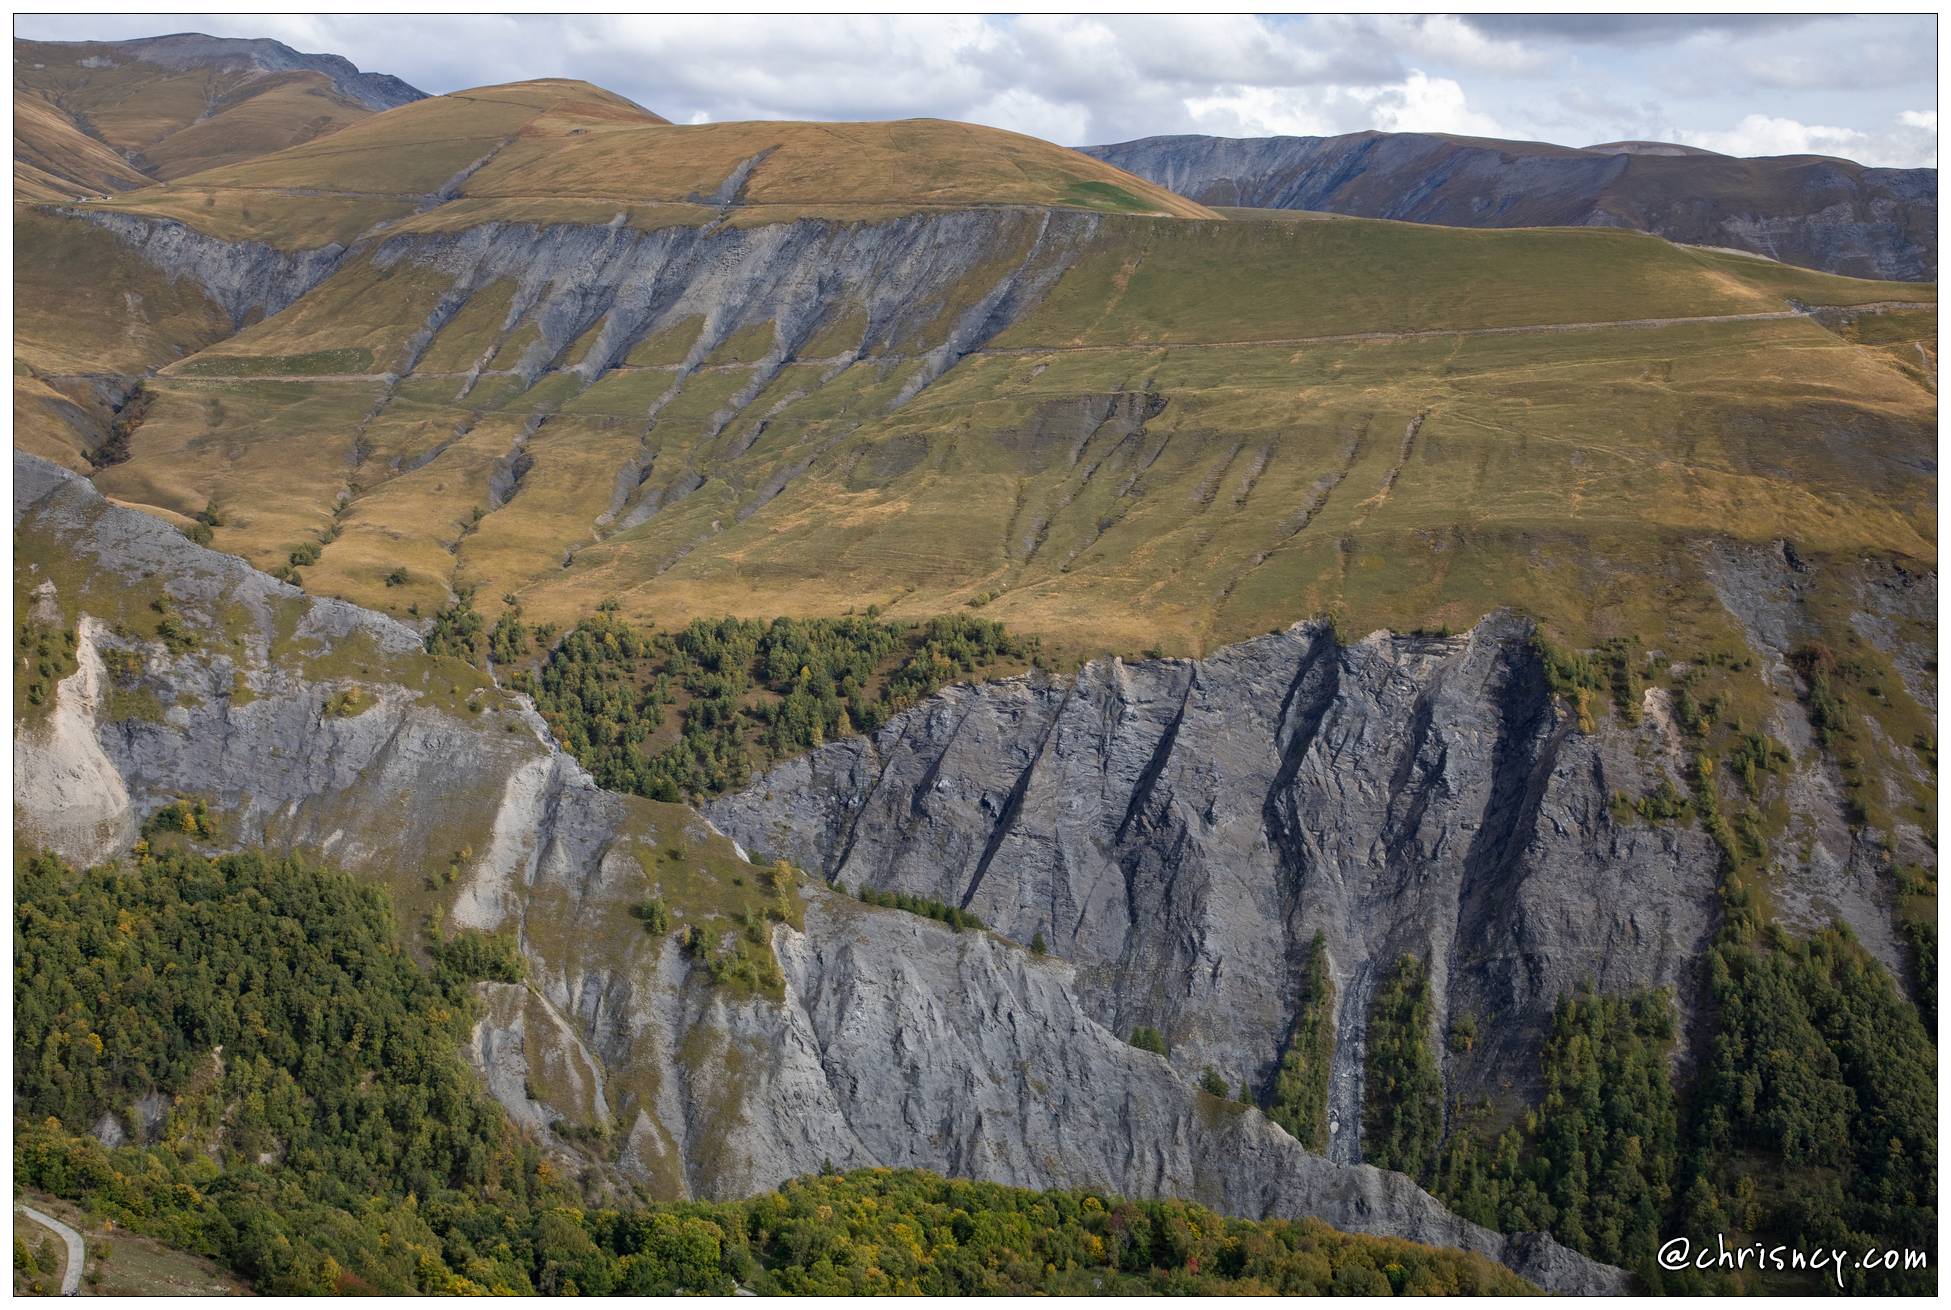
[[829, 671]]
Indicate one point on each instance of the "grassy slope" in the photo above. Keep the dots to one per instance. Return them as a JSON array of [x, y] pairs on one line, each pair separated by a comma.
[[82, 307], [168, 121], [567, 150], [55, 160], [1550, 469], [1438, 461]]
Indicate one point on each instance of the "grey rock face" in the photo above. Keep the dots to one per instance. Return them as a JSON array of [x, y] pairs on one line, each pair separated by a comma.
[[240, 276], [1827, 869], [1818, 212], [795, 276], [896, 1041], [1183, 830]]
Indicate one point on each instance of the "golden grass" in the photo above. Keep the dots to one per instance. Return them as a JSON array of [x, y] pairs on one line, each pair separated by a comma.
[[1351, 416], [55, 160], [562, 149], [176, 120], [1555, 474], [83, 304]]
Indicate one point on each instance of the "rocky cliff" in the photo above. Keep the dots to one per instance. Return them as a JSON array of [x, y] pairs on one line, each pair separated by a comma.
[[1814, 211], [314, 726], [1182, 830]]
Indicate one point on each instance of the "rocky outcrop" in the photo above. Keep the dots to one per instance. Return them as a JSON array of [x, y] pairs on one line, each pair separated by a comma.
[[1182, 831], [312, 726], [376, 91], [243, 277], [625, 284], [1810, 210], [1830, 868]]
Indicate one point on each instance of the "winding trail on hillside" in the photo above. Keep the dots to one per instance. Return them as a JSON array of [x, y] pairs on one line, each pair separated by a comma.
[[1344, 338], [1416, 334], [71, 1273]]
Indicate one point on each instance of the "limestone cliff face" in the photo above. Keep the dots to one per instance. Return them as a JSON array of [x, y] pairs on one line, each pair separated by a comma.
[[1182, 831], [313, 726], [625, 284], [797, 277], [241, 276]]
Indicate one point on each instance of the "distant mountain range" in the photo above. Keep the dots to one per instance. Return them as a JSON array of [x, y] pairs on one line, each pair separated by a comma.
[[102, 116], [1811, 210]]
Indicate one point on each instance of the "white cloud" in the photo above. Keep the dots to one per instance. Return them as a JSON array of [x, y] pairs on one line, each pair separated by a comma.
[[1766, 134], [1912, 143], [1449, 39], [1020, 110], [1418, 103], [1095, 78], [1422, 103], [1259, 111]]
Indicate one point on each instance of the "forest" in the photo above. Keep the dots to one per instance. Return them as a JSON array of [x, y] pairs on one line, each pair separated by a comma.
[[291, 1073], [1812, 1121], [697, 711], [1298, 1101]]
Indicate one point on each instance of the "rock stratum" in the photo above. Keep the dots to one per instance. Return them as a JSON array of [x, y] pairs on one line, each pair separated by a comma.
[[894, 1041], [1810, 210]]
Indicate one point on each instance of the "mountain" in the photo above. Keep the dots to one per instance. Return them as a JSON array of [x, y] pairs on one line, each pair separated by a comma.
[[552, 348], [670, 1080], [1465, 769], [102, 116], [1807, 210]]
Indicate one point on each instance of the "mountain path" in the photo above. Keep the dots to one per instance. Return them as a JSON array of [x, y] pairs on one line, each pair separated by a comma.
[[71, 1272], [1521, 329], [1417, 334]]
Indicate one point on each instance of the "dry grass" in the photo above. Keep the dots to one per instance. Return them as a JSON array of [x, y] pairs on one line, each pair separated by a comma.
[[538, 147], [1345, 421], [121, 1263], [177, 120]]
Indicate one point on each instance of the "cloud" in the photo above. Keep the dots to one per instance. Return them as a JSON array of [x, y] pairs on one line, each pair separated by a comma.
[[1631, 29], [1429, 104], [1259, 111], [1911, 143], [1453, 40], [1418, 103], [1747, 83]]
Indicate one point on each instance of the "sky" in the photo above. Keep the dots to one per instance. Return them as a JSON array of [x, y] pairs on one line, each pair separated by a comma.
[[1861, 87]]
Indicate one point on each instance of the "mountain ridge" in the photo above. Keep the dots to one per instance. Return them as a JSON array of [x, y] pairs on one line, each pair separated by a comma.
[[159, 107], [1811, 210], [1481, 692]]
